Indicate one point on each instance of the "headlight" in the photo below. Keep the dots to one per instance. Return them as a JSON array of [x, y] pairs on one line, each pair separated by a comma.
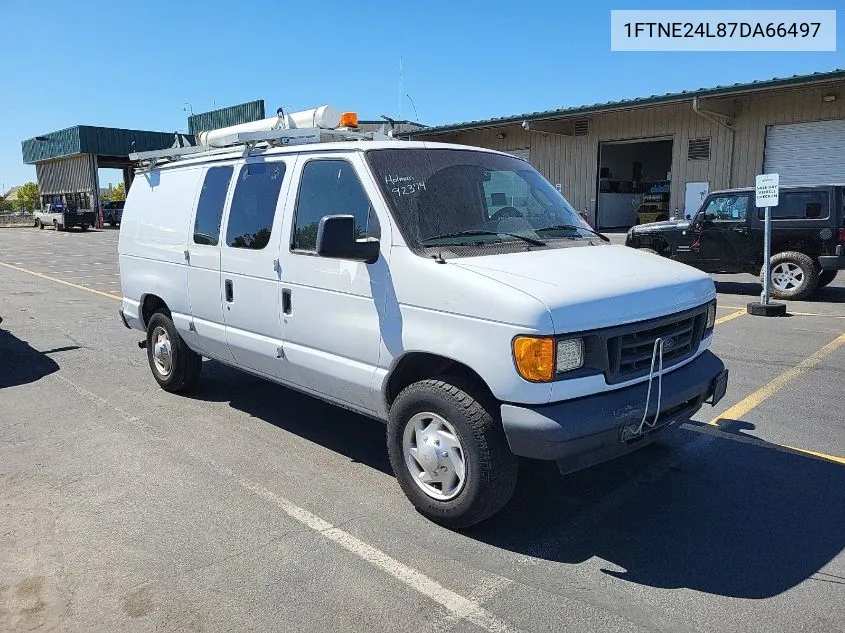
[[539, 358], [570, 354], [711, 316]]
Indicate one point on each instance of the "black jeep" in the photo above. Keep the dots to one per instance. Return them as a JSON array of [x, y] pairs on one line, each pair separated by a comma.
[[726, 236]]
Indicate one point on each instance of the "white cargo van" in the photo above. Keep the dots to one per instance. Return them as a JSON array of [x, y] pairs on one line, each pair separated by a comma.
[[450, 291]]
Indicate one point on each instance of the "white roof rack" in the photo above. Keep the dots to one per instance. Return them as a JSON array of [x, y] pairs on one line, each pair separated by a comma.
[[280, 131]]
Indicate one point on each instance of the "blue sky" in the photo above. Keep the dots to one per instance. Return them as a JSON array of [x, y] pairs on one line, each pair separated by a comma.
[[135, 64]]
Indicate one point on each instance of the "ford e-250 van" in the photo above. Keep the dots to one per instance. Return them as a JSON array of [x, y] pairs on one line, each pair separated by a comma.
[[447, 290]]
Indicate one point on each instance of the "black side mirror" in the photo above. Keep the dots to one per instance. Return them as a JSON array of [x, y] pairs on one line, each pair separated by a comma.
[[336, 239], [688, 216]]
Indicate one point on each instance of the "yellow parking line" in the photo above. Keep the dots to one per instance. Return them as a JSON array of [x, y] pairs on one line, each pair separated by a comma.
[[832, 458], [700, 427], [62, 281], [731, 316], [807, 314], [745, 405]]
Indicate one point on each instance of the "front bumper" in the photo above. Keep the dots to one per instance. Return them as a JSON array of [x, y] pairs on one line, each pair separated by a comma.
[[585, 431], [832, 262]]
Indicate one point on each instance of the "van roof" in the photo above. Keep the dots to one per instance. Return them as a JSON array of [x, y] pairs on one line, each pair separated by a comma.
[[312, 148]]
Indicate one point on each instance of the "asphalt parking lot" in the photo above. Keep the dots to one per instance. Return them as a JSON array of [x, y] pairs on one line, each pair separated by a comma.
[[249, 507]]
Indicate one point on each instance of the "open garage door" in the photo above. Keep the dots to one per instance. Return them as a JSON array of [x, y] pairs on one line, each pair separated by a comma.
[[806, 153]]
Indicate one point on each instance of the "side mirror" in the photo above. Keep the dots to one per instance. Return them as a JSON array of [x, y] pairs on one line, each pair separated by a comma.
[[336, 239], [688, 216]]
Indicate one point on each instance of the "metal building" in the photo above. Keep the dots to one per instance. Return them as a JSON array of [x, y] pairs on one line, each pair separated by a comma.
[[609, 158], [66, 161]]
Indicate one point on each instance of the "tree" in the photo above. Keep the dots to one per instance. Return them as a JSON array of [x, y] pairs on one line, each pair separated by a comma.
[[28, 196], [117, 193]]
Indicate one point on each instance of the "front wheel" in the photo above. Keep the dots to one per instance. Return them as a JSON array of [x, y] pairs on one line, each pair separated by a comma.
[[794, 276], [449, 452], [175, 366], [40, 225]]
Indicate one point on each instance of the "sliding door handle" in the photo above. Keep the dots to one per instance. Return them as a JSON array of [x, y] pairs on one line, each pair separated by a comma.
[[230, 292], [286, 301]]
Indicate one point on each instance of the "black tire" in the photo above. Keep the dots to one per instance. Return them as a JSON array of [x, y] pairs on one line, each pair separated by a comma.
[[83, 227], [186, 364], [40, 225], [825, 277], [491, 469], [807, 275], [56, 226]]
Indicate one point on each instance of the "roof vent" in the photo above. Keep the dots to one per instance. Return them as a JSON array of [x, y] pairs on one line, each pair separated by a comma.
[[581, 127], [699, 149]]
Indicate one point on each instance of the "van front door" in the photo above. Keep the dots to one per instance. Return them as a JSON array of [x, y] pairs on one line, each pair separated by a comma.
[[249, 267], [203, 256], [331, 307]]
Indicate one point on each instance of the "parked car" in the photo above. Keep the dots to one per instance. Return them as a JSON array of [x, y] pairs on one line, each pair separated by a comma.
[[112, 212], [375, 275], [62, 217], [726, 236]]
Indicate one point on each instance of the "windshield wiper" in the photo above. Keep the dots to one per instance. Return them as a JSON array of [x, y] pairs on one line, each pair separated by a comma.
[[524, 238], [572, 227]]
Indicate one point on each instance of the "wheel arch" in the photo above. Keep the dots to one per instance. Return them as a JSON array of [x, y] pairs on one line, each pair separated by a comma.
[[150, 304], [413, 367]]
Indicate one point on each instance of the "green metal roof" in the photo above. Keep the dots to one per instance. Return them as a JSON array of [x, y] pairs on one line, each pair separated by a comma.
[[88, 139], [717, 91], [224, 117]]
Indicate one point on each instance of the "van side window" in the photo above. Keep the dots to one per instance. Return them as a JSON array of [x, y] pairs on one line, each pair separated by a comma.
[[254, 205], [799, 205], [331, 187], [210, 206]]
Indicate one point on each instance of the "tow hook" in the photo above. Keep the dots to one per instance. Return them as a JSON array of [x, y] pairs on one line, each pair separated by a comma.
[[142, 344]]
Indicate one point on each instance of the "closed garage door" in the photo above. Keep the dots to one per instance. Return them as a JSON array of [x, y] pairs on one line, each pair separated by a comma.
[[806, 153]]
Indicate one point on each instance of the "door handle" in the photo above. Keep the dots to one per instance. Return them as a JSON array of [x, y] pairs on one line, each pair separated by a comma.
[[286, 302], [739, 229], [230, 292]]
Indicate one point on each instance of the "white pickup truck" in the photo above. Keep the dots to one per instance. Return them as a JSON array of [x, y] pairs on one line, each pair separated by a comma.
[[62, 217]]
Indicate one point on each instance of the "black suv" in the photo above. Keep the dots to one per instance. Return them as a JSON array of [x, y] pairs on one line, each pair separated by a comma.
[[113, 212], [726, 236]]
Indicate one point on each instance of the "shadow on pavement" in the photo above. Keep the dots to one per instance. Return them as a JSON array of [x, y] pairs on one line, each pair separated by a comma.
[[359, 438], [828, 294], [20, 364], [744, 519]]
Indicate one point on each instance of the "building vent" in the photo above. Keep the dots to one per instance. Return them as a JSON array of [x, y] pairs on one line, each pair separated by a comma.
[[699, 149], [581, 127]]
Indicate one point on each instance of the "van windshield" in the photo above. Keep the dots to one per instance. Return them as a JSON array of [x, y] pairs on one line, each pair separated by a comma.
[[453, 197]]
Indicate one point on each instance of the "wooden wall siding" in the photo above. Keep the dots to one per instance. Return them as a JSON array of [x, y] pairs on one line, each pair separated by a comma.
[[735, 157]]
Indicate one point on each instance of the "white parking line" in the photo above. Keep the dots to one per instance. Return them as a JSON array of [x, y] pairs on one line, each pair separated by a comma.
[[457, 605]]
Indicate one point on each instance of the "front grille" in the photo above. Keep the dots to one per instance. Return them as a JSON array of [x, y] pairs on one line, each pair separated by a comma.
[[629, 353]]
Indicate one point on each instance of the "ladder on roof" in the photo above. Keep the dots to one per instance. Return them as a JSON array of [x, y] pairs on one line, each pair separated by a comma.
[[250, 140]]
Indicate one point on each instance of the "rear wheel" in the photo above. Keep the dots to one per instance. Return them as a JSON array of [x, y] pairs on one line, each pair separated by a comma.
[[39, 224], [794, 276], [449, 452], [56, 225], [175, 366], [825, 277]]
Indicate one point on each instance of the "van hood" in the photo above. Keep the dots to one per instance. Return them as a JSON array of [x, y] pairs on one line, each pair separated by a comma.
[[592, 287]]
